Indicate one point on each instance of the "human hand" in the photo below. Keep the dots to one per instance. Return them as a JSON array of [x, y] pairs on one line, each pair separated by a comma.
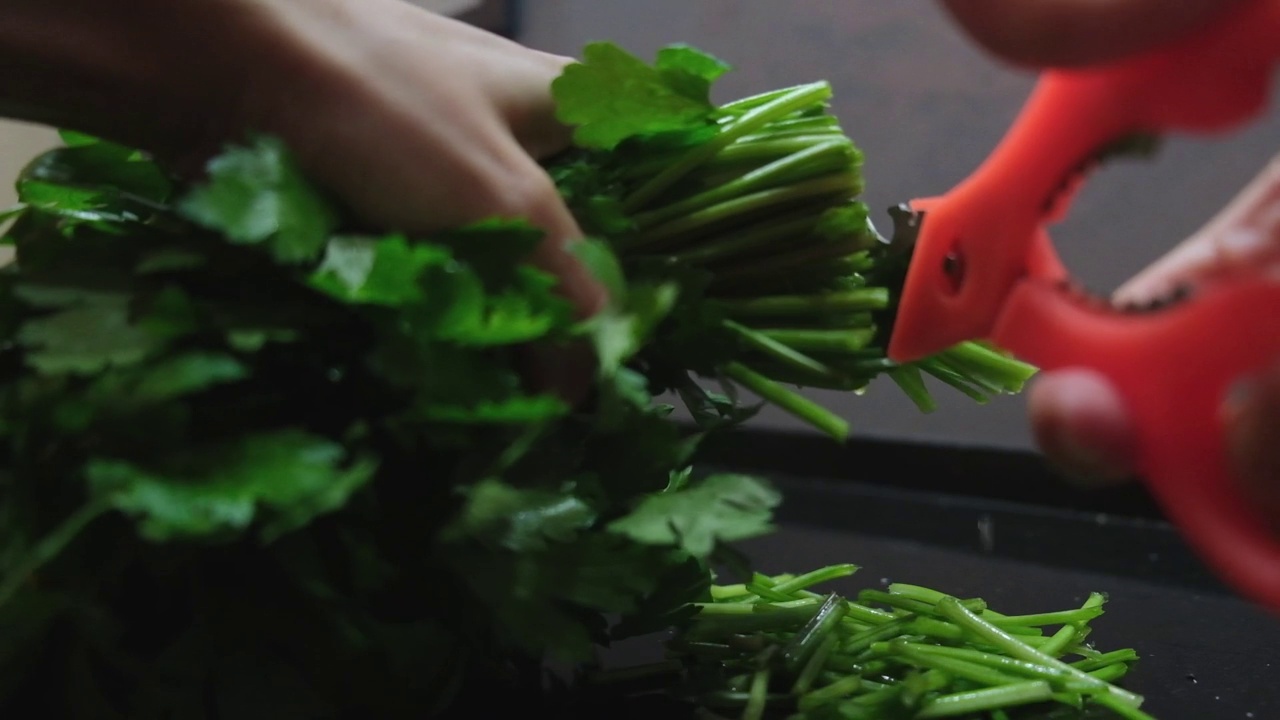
[[1077, 417], [421, 122], [416, 121]]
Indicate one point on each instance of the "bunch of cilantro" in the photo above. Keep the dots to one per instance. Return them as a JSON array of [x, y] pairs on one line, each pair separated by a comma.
[[258, 462]]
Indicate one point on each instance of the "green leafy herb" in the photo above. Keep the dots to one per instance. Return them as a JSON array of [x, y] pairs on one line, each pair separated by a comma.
[[258, 462]]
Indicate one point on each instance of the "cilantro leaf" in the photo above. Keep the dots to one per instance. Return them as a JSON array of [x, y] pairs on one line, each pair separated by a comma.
[[88, 331], [691, 70], [381, 271], [519, 519], [549, 600], [619, 333], [287, 477], [112, 171], [256, 196], [720, 509], [183, 374], [611, 95], [678, 582]]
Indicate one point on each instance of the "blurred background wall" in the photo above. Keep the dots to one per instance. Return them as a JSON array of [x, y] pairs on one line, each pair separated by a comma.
[[19, 142]]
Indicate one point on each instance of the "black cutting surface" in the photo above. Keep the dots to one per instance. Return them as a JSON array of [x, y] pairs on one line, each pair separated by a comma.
[[999, 526]]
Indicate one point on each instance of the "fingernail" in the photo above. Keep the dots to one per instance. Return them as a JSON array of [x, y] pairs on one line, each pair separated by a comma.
[[1252, 414]]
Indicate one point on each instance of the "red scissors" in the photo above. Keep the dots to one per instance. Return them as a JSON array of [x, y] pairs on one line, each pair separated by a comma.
[[983, 267]]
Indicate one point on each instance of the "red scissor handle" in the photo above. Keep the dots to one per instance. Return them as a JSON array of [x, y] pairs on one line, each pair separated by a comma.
[[983, 267]]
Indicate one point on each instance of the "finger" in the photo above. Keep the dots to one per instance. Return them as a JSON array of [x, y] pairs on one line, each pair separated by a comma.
[[1246, 233], [1043, 33], [1254, 440], [532, 114], [554, 255], [1080, 423], [564, 370]]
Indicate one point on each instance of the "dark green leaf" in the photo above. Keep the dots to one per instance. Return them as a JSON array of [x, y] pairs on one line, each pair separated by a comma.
[[720, 509], [89, 331], [116, 173], [183, 374], [288, 475], [521, 520]]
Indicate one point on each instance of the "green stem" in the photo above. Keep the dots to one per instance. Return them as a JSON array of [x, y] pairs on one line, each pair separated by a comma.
[[908, 379], [822, 341], [938, 369], [793, 403], [815, 577], [789, 375], [741, 241], [957, 613], [750, 121], [1071, 633], [1060, 617], [858, 642], [778, 351], [826, 157], [830, 693], [1038, 671], [982, 674], [758, 696], [823, 625], [973, 701], [1105, 659], [867, 298], [976, 360], [775, 143], [1110, 673], [772, 269], [50, 546], [750, 102], [815, 664], [841, 184]]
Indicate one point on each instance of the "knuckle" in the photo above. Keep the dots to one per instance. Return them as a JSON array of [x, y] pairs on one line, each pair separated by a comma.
[[522, 192]]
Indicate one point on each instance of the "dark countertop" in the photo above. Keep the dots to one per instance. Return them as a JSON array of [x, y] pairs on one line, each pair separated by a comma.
[[998, 526]]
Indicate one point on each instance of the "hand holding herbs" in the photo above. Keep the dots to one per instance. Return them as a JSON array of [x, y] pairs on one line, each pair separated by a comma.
[[260, 461], [416, 120]]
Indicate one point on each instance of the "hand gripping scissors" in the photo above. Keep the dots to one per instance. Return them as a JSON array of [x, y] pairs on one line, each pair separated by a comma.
[[983, 268]]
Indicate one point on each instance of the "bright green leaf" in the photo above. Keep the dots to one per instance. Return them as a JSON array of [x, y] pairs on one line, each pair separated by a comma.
[[256, 195], [690, 70], [612, 95], [380, 271]]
